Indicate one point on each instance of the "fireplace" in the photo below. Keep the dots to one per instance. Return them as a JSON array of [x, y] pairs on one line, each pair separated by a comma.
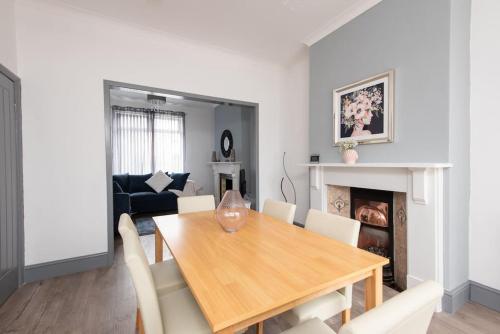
[[374, 209], [383, 225], [418, 209], [226, 183]]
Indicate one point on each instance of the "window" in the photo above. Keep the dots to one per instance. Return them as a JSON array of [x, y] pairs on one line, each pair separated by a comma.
[[147, 140]]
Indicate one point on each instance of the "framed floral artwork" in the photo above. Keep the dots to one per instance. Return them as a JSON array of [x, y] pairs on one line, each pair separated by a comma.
[[364, 111]]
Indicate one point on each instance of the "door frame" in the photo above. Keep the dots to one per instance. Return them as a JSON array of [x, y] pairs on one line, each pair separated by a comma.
[[108, 85], [19, 152]]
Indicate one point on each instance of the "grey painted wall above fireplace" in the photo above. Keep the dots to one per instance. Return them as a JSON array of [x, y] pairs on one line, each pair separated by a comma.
[[426, 42], [408, 36]]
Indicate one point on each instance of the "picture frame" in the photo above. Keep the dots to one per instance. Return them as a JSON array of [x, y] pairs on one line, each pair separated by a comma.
[[364, 111]]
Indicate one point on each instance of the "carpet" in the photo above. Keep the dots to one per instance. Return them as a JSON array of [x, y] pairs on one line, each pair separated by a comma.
[[145, 225]]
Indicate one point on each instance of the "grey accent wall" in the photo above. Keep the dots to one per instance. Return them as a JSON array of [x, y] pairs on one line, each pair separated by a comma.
[[427, 43], [411, 37], [458, 177], [248, 114]]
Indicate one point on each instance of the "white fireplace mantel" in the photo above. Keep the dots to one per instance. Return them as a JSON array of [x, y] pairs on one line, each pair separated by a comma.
[[418, 172], [424, 185], [225, 167]]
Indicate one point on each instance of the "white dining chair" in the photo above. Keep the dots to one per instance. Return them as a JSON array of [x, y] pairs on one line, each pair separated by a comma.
[[279, 210], [166, 274], [409, 312], [175, 311], [341, 229], [195, 203]]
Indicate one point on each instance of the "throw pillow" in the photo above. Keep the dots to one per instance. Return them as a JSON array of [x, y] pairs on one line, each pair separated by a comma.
[[159, 181], [179, 182]]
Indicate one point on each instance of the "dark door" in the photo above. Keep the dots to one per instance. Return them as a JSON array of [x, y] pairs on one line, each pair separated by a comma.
[[10, 169]]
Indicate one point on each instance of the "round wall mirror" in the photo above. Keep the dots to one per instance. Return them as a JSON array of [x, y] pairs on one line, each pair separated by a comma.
[[226, 143]]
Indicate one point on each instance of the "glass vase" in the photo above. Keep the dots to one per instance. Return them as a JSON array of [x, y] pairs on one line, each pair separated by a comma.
[[232, 212]]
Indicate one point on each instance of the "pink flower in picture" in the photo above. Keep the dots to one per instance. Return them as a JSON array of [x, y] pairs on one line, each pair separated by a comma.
[[358, 109]]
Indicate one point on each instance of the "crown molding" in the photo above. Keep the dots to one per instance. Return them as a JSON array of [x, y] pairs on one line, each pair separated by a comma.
[[358, 8]]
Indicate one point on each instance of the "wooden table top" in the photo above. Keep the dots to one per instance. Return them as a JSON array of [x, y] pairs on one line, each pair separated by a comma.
[[266, 265]]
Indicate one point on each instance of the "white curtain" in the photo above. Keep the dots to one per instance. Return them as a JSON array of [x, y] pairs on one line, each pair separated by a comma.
[[147, 140]]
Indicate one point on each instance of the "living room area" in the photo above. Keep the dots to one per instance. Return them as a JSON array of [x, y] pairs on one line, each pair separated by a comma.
[[166, 145]]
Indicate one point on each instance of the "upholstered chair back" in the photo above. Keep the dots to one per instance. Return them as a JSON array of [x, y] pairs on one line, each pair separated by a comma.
[[279, 210], [333, 226], [195, 203], [128, 225], [336, 227], [410, 312], [142, 277]]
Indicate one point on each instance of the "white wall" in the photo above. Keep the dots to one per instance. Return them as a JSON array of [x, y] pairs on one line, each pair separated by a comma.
[[294, 127], [8, 35], [63, 58], [199, 134], [484, 223], [199, 146]]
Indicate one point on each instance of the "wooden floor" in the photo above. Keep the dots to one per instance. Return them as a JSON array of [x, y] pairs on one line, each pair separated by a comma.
[[103, 301]]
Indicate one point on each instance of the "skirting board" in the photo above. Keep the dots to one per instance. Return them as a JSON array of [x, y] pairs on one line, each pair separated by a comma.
[[485, 295], [51, 269], [471, 291], [453, 300]]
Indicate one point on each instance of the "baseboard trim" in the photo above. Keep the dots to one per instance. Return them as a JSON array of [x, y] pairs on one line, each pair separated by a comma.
[[453, 300], [485, 295], [52, 269]]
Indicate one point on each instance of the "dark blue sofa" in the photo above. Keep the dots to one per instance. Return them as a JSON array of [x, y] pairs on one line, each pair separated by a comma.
[[133, 196]]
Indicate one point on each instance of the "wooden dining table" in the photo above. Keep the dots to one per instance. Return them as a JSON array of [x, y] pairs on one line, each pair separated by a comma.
[[266, 268]]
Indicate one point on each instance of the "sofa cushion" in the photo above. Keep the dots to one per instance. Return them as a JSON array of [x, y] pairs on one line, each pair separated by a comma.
[[122, 180], [179, 180], [137, 183], [159, 181], [147, 202]]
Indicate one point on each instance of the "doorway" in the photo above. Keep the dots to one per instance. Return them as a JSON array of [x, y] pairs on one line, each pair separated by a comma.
[[11, 190], [151, 129]]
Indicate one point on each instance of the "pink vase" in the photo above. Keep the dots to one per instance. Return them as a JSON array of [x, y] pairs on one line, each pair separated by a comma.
[[232, 212], [350, 157]]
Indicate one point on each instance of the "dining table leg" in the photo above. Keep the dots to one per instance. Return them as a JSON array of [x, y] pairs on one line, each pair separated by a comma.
[[158, 246], [259, 327], [373, 289]]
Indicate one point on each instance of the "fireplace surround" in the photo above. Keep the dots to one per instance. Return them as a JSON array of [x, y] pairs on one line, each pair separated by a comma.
[[423, 184]]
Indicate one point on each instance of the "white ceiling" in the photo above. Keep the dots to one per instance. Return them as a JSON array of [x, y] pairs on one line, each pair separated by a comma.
[[275, 30]]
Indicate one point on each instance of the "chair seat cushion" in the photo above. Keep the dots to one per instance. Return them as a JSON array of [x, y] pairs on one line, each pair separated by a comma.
[[312, 326], [181, 314], [323, 308], [167, 277]]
